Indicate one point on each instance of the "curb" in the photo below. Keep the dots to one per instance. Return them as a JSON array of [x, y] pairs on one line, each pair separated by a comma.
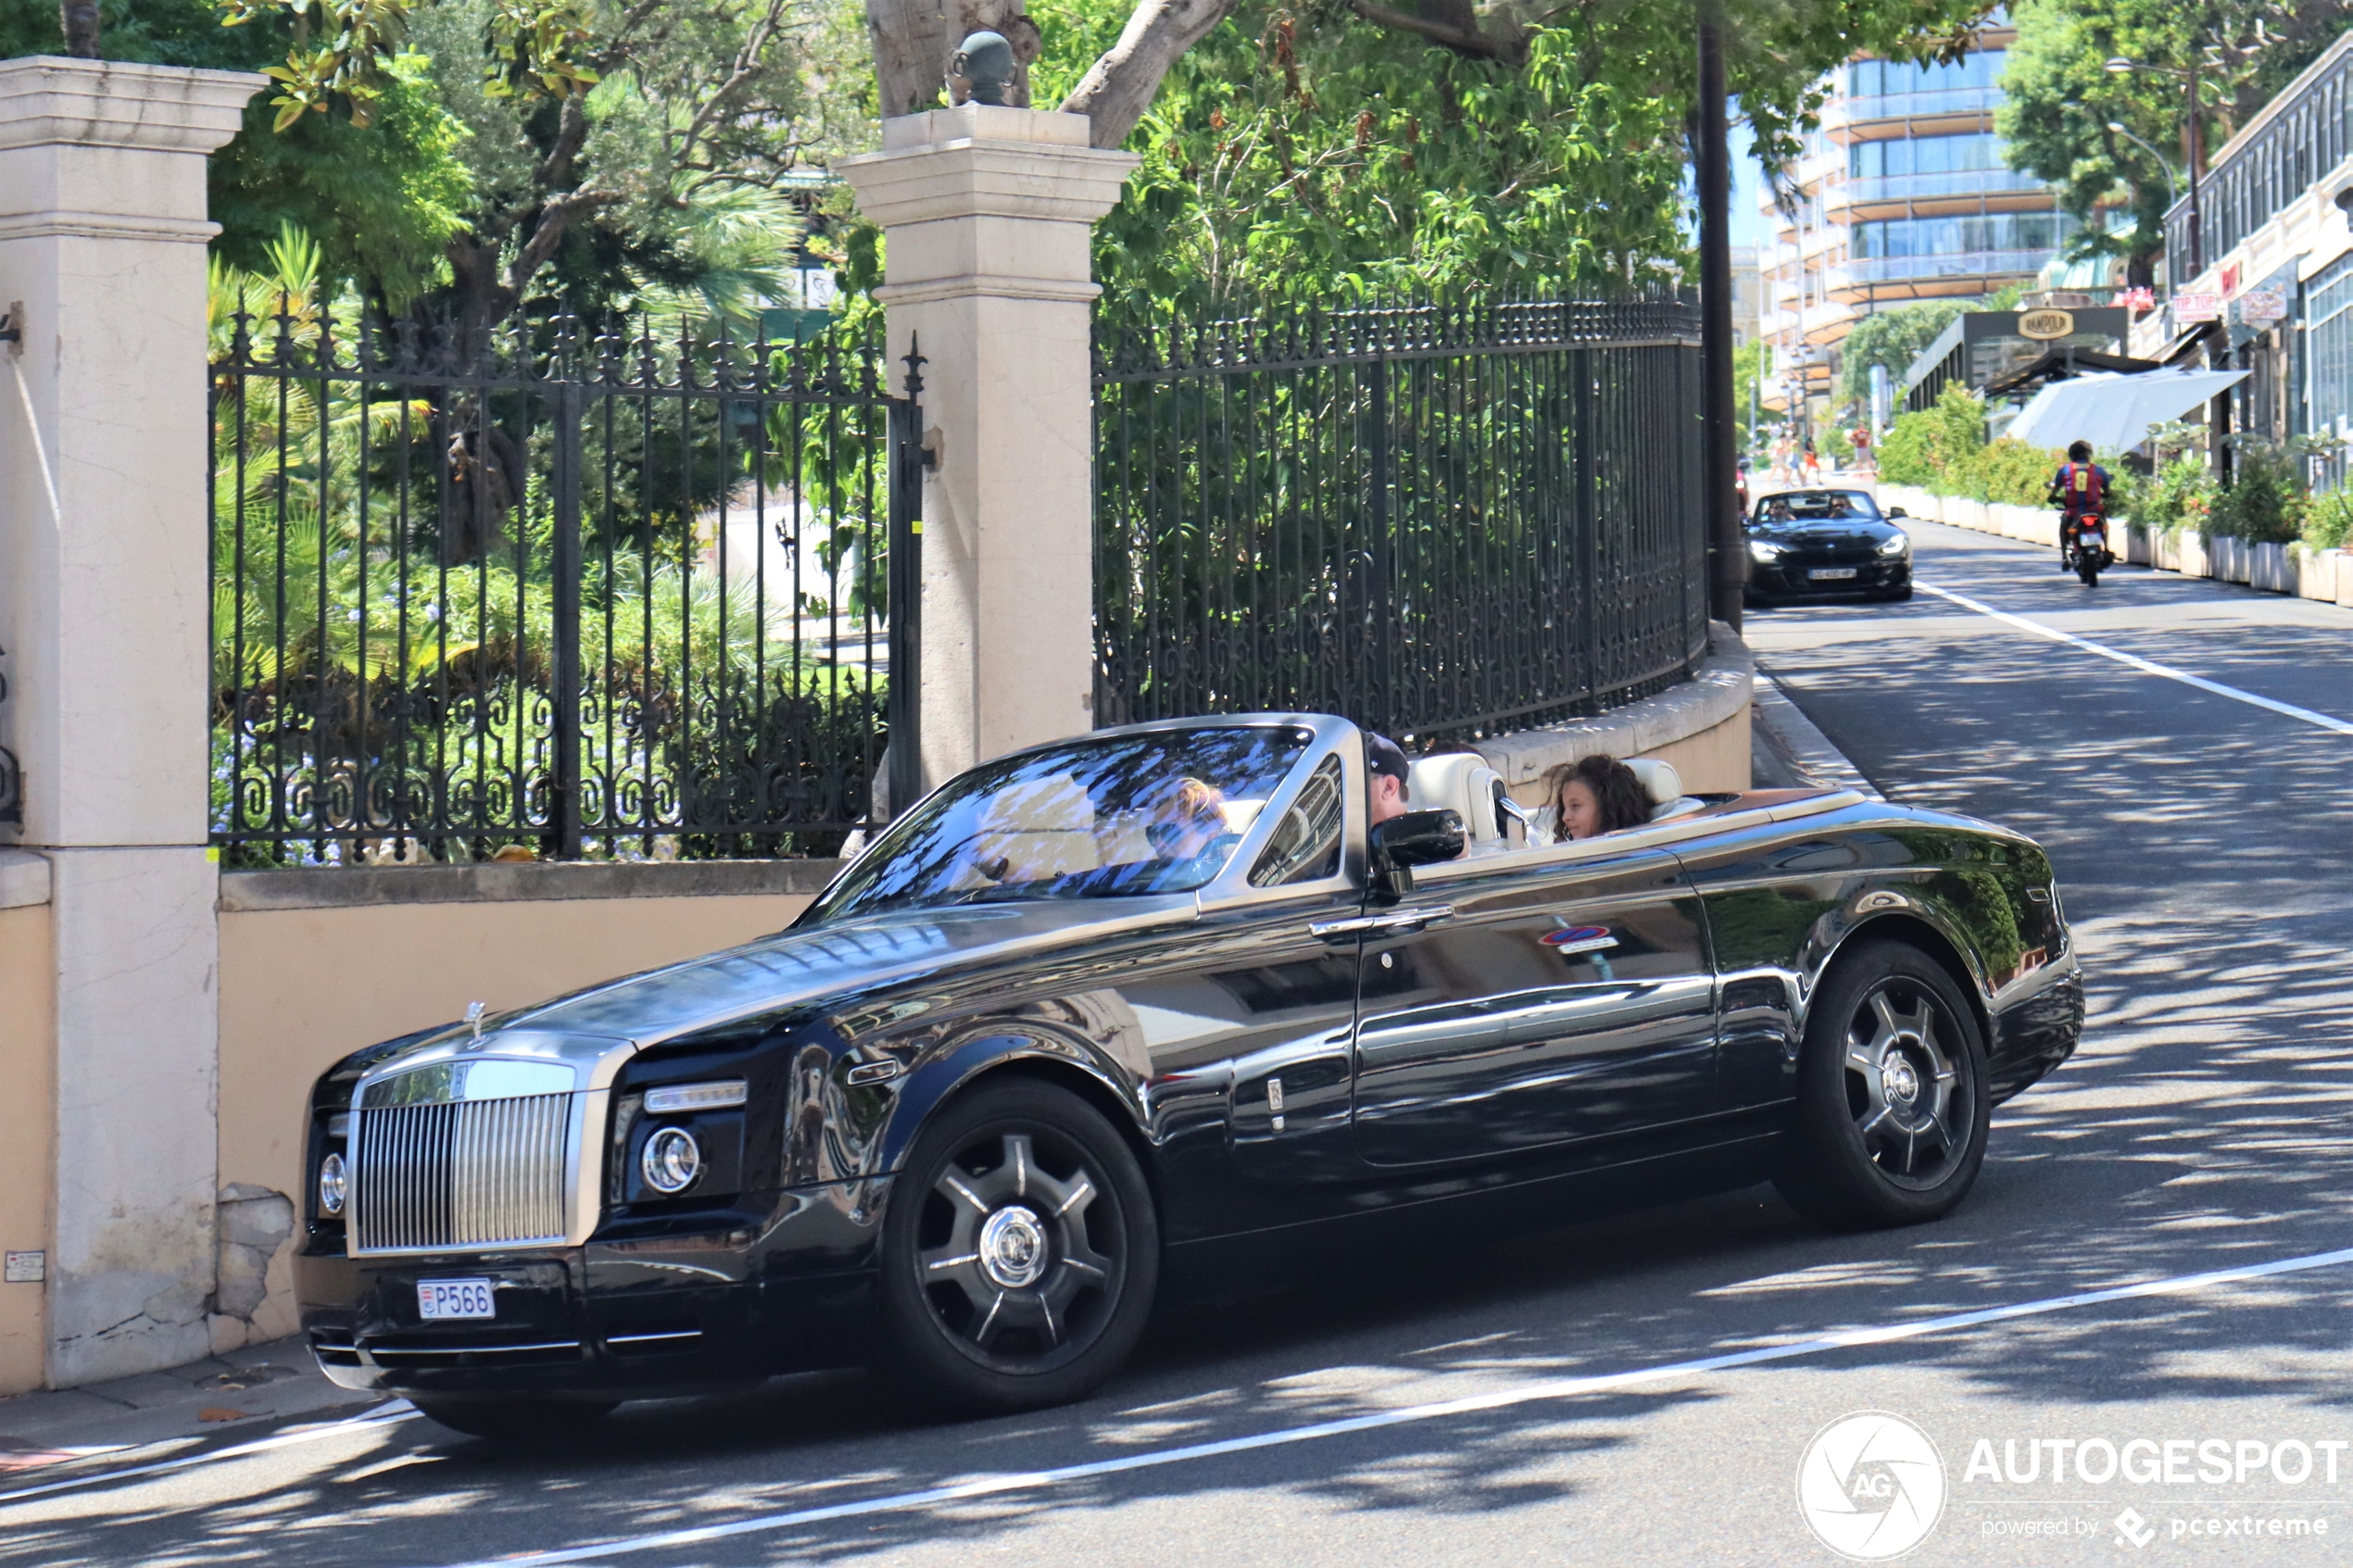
[[1799, 743], [1718, 690]]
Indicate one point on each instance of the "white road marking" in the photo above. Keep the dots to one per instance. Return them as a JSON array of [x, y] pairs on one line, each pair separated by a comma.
[[2146, 667], [384, 1416], [1501, 1399]]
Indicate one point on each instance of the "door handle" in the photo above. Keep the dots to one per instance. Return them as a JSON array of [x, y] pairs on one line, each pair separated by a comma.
[[1387, 920]]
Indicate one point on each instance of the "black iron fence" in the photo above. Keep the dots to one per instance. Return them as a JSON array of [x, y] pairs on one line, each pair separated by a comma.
[[1440, 522], [619, 596]]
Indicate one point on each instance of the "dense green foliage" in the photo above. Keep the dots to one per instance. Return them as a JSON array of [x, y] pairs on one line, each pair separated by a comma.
[[1303, 146], [2265, 503], [1893, 338], [1944, 450], [2061, 99], [382, 201]]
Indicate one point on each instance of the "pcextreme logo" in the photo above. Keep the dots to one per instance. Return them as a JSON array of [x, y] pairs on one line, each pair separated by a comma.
[[1871, 1486]]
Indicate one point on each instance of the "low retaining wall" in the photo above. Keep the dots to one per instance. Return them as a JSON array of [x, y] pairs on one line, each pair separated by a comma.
[[1700, 726], [2324, 575]]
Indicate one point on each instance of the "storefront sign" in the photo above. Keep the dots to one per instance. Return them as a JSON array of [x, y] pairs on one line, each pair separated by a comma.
[[2044, 325], [2196, 306], [2260, 307]]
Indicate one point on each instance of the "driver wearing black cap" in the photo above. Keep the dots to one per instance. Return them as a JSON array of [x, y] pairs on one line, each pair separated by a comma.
[[1385, 777]]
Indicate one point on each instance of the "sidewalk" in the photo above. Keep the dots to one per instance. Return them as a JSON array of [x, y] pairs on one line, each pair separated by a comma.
[[243, 1395]]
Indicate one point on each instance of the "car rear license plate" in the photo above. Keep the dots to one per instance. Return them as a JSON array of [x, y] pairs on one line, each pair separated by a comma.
[[438, 1298], [1831, 573]]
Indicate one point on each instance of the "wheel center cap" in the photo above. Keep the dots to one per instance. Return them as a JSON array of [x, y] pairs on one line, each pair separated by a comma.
[[1013, 1247], [1903, 1083]]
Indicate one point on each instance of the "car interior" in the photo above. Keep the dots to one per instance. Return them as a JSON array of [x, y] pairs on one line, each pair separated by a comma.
[[1466, 783]]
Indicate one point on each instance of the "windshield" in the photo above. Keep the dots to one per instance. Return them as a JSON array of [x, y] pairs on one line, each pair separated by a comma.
[[1798, 504], [1091, 819]]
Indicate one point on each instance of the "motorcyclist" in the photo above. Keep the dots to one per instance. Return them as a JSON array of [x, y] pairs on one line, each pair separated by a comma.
[[2080, 490]]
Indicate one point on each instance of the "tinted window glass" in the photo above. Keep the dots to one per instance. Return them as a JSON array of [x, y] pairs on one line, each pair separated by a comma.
[[1796, 504], [1092, 818]]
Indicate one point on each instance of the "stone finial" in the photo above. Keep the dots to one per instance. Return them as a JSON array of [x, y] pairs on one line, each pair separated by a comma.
[[981, 68]]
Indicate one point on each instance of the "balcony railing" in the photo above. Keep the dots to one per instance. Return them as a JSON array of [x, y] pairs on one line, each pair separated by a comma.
[[1933, 187], [1910, 106], [1863, 272]]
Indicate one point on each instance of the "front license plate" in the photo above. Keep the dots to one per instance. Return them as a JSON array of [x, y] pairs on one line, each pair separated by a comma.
[[438, 1298], [1831, 573]]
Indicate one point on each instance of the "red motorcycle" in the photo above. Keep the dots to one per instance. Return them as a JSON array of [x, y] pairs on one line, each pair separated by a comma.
[[2083, 545]]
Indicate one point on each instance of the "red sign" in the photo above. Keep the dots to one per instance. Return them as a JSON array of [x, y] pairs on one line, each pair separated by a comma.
[[2231, 278]]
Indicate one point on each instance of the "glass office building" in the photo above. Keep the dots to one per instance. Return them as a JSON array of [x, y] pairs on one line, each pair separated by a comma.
[[1901, 194]]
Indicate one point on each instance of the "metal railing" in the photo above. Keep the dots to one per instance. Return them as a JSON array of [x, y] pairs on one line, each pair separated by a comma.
[[607, 595], [1440, 522]]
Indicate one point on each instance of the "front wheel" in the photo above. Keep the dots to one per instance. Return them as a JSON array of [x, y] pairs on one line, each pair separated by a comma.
[[1020, 1255], [1893, 1105]]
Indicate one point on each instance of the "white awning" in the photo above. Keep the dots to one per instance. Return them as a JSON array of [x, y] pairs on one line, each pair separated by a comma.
[[2115, 413]]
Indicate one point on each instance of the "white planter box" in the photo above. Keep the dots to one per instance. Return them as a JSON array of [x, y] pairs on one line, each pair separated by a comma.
[[2271, 568], [2189, 555], [2140, 547], [2317, 572]]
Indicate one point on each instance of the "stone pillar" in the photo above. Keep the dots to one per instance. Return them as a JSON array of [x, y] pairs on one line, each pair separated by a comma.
[[987, 214], [102, 611]]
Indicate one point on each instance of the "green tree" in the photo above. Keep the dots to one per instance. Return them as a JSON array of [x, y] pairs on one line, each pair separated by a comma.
[[1892, 338], [2061, 99], [381, 200]]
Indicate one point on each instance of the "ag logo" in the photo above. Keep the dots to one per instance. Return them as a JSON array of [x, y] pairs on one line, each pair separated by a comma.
[[1871, 1486], [1577, 938]]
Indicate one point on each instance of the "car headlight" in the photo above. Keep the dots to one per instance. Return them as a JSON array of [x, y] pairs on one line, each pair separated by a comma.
[[1764, 551], [671, 1160], [334, 1184], [1895, 544]]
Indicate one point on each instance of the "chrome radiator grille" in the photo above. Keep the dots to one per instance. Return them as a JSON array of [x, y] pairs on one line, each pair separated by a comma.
[[465, 1173]]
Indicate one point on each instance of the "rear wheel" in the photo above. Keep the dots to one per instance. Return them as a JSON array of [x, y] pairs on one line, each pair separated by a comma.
[[1891, 1100], [2087, 566], [513, 1420], [1020, 1255]]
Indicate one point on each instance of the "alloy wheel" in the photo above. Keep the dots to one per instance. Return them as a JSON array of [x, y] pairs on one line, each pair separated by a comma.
[[1021, 1252], [1905, 1084]]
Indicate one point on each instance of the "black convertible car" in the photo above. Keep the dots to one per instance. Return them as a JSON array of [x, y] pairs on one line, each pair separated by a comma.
[[1809, 542], [1114, 1011]]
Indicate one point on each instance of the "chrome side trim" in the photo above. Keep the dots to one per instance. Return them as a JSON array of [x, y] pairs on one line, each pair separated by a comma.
[[651, 1339], [469, 1349]]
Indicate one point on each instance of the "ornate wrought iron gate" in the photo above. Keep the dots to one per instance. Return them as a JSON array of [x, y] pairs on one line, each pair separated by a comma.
[[620, 595], [1438, 521]]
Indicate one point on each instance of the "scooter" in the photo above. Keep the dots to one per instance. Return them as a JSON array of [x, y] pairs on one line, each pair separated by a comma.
[[2084, 547]]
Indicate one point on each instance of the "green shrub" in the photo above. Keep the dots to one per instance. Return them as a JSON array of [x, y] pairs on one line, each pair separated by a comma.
[[2010, 470], [2265, 503], [2328, 521], [2178, 495]]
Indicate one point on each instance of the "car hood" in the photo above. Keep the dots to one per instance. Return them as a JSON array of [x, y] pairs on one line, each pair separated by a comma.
[[794, 968], [1824, 533]]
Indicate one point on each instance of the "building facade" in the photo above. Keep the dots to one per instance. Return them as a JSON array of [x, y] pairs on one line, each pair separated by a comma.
[[1902, 194], [2268, 280]]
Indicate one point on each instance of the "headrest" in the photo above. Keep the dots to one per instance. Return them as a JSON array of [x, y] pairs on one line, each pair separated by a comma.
[[1660, 781], [1462, 781]]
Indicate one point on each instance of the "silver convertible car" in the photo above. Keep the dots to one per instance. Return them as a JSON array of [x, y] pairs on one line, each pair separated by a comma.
[[1133, 1012]]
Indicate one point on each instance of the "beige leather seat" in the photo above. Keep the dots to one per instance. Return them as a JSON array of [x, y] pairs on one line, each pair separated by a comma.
[[1464, 783], [1664, 786]]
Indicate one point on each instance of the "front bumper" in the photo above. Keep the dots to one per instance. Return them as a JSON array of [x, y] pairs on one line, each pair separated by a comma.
[[618, 1318], [1788, 579]]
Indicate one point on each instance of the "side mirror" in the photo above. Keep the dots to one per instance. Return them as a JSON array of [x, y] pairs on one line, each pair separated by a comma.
[[1417, 838], [1897, 511]]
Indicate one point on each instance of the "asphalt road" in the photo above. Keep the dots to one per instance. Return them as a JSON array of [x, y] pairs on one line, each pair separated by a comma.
[[1642, 1389]]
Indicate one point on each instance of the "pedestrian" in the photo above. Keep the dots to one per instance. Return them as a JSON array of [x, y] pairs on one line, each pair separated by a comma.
[[1813, 462], [1861, 436]]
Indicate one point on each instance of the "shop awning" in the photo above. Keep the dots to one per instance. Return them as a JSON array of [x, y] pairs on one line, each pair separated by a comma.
[[2115, 413]]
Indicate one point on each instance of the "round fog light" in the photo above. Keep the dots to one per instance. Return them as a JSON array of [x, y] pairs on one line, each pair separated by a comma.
[[333, 1184], [671, 1162]]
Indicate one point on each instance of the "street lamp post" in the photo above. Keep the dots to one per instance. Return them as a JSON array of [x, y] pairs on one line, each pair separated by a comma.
[[2117, 128]]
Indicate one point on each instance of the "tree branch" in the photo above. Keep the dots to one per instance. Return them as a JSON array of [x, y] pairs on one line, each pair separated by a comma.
[[1462, 41], [1120, 86], [555, 219]]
